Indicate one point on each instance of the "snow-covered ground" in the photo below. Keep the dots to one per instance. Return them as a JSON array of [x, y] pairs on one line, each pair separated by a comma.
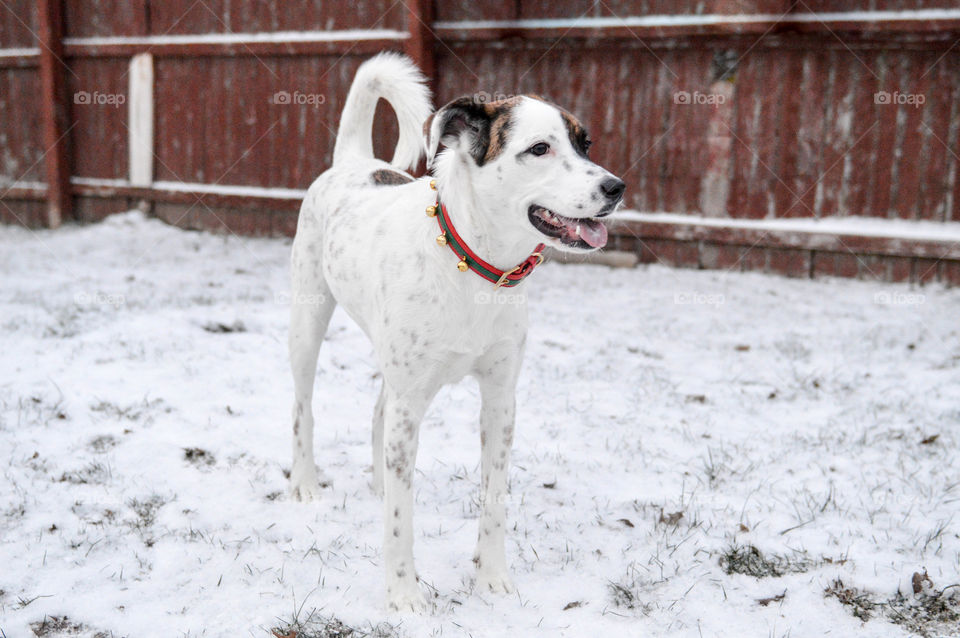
[[669, 422]]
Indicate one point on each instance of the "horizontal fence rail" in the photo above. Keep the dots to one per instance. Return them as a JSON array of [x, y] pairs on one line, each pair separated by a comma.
[[723, 124]]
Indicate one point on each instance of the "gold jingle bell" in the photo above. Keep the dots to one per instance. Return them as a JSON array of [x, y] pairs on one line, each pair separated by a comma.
[[433, 184], [431, 211], [442, 239], [462, 266]]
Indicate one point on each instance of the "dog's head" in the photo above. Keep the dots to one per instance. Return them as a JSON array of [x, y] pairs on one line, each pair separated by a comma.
[[528, 159]]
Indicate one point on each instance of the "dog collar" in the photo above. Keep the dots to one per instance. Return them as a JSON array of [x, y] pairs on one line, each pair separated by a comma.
[[469, 260]]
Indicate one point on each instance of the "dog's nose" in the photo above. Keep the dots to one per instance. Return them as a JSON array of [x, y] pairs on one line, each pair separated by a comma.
[[612, 188]]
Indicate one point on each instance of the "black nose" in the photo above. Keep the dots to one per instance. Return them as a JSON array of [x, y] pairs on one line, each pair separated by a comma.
[[612, 188]]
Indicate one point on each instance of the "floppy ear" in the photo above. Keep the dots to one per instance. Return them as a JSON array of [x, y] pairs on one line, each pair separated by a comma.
[[462, 125]]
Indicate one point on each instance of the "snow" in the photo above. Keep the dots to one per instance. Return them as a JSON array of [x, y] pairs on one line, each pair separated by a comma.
[[231, 189], [18, 52], [922, 230], [107, 182], [243, 38], [22, 184], [196, 187], [786, 414], [679, 20]]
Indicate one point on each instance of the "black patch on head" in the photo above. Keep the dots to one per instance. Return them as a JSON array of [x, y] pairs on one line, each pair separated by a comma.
[[385, 177], [484, 124]]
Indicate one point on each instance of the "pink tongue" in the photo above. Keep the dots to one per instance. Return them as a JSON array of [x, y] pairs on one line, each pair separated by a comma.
[[594, 233]]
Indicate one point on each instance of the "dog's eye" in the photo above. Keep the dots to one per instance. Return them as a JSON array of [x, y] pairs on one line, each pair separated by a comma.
[[587, 144], [540, 148]]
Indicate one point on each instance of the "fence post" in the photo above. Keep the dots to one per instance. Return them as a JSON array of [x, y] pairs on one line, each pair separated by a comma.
[[140, 115], [54, 111], [419, 45]]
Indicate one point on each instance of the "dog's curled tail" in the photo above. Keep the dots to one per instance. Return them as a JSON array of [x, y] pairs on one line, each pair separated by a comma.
[[396, 79]]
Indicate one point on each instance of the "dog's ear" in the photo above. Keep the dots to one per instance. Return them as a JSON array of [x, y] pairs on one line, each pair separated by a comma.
[[464, 125]]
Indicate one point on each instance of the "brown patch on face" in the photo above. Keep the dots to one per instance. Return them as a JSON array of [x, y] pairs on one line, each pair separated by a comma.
[[384, 177], [578, 135], [499, 115]]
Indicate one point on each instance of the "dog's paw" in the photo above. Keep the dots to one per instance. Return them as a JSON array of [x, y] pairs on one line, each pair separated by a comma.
[[406, 598], [496, 581], [305, 486], [377, 488], [305, 492]]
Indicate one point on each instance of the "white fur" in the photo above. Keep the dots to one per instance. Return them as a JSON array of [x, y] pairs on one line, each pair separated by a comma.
[[389, 76], [372, 249]]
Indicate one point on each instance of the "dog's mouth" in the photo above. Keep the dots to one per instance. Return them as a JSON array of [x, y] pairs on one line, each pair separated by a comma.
[[585, 233]]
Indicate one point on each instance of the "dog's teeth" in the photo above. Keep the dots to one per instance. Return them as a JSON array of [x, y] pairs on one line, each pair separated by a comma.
[[578, 230]]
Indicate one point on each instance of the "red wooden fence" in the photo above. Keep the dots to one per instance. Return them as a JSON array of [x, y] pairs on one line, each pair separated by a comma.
[[732, 114]]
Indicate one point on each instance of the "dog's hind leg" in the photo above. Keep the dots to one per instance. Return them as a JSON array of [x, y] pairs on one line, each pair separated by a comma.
[[378, 444], [311, 306], [498, 408]]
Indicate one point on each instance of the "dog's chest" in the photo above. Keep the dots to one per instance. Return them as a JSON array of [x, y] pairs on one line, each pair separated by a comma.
[[444, 337]]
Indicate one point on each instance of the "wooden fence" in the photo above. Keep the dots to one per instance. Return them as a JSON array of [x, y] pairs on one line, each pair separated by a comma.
[[746, 120]]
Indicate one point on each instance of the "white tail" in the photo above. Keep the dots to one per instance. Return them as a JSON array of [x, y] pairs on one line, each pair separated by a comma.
[[396, 79]]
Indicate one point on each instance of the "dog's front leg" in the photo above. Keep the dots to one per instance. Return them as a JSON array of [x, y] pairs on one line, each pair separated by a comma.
[[401, 424], [498, 397]]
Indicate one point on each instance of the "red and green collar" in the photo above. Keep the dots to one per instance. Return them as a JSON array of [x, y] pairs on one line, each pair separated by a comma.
[[469, 260]]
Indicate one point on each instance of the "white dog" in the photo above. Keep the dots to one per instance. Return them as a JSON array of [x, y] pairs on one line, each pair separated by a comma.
[[416, 263]]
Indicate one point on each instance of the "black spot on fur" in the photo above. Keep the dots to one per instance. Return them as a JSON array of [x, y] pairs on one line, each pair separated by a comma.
[[384, 177]]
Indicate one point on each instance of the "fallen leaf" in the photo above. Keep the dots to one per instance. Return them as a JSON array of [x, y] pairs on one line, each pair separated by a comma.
[[763, 602], [671, 519], [919, 580], [626, 521], [930, 439], [573, 605]]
